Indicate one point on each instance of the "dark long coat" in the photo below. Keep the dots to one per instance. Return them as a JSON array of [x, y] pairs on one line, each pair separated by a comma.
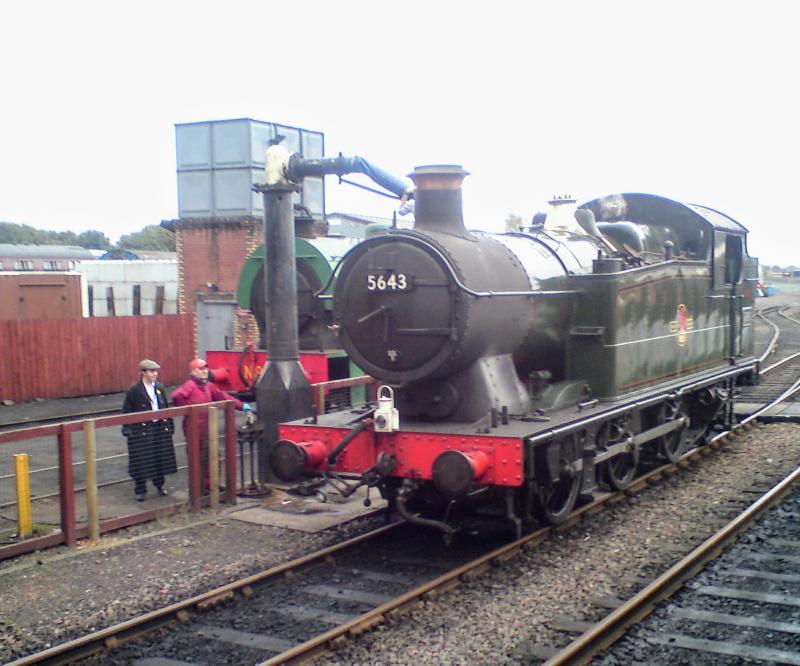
[[151, 453]]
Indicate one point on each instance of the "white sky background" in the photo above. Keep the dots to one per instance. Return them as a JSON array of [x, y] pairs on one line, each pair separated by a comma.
[[695, 100]]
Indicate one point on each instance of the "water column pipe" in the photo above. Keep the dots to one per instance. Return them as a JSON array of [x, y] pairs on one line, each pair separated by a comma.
[[283, 392]]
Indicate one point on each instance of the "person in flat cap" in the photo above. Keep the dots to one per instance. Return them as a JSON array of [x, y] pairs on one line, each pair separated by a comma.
[[197, 390], [151, 453]]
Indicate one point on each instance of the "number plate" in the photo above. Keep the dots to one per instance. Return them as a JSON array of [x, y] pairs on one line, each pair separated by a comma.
[[390, 281]]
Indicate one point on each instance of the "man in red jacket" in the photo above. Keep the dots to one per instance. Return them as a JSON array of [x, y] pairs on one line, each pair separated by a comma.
[[197, 391]]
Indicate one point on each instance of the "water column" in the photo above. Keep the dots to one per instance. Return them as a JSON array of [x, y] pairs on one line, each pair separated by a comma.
[[283, 392]]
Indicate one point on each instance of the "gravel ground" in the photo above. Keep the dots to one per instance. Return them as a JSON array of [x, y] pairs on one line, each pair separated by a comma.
[[50, 597]]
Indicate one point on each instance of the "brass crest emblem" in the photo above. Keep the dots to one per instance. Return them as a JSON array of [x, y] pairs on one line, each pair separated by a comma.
[[682, 324]]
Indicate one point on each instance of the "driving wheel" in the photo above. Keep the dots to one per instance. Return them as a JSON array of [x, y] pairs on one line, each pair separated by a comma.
[[556, 499], [620, 470]]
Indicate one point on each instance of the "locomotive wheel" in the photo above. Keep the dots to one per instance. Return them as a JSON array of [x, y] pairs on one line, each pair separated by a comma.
[[673, 445], [556, 500], [621, 469]]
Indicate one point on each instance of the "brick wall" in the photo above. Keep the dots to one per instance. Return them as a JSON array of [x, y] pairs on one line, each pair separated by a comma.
[[211, 254]]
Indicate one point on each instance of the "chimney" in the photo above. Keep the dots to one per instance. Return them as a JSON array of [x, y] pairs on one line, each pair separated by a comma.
[[304, 223], [437, 195]]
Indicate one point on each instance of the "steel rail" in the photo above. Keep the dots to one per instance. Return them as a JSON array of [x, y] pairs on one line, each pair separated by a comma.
[[113, 636], [779, 363], [427, 591], [782, 313], [794, 388], [775, 336]]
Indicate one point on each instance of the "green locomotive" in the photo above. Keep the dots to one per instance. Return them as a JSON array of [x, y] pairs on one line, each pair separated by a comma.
[[524, 369]]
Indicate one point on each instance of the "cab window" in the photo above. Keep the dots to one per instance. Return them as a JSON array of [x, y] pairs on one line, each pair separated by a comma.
[[733, 259]]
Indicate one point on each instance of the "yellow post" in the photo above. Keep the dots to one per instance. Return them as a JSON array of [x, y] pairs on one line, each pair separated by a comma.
[[22, 471], [213, 456], [90, 458], [321, 405]]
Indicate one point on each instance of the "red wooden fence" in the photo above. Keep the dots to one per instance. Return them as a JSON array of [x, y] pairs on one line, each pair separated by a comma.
[[60, 358]]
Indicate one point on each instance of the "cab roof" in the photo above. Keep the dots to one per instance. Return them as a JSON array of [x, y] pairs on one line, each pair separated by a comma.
[[652, 209]]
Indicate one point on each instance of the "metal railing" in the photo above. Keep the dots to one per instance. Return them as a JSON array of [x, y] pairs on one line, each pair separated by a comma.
[[67, 461], [64, 488]]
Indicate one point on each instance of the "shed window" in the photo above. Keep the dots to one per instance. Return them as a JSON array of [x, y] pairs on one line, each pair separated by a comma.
[[110, 301], [23, 265], [137, 299], [159, 305]]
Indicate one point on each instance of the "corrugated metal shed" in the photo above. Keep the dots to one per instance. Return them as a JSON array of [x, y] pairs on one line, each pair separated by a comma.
[[139, 254], [47, 251]]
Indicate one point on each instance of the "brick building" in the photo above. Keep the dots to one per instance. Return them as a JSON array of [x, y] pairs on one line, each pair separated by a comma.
[[211, 254]]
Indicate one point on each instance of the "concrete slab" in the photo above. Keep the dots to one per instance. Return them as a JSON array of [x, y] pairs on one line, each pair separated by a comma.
[[308, 514]]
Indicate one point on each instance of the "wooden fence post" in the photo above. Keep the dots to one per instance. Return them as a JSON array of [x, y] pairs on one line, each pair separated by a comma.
[[230, 453], [213, 456], [66, 479], [193, 459], [90, 459]]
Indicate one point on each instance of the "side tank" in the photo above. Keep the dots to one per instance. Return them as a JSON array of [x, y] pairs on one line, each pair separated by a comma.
[[673, 301]]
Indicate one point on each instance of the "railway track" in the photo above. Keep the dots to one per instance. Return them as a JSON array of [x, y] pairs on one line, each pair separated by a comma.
[[744, 606], [780, 366], [289, 614], [321, 600]]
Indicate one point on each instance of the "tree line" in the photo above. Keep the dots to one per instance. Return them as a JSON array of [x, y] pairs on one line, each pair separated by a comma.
[[151, 237]]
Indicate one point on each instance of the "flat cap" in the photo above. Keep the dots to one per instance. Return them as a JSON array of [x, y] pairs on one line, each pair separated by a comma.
[[147, 364]]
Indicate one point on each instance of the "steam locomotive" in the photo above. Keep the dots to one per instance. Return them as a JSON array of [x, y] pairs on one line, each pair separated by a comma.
[[521, 372]]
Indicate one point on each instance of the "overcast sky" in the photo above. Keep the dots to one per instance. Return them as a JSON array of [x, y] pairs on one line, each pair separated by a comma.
[[693, 100]]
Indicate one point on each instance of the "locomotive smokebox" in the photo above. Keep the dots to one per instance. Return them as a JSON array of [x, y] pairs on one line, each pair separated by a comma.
[[437, 311], [438, 199]]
